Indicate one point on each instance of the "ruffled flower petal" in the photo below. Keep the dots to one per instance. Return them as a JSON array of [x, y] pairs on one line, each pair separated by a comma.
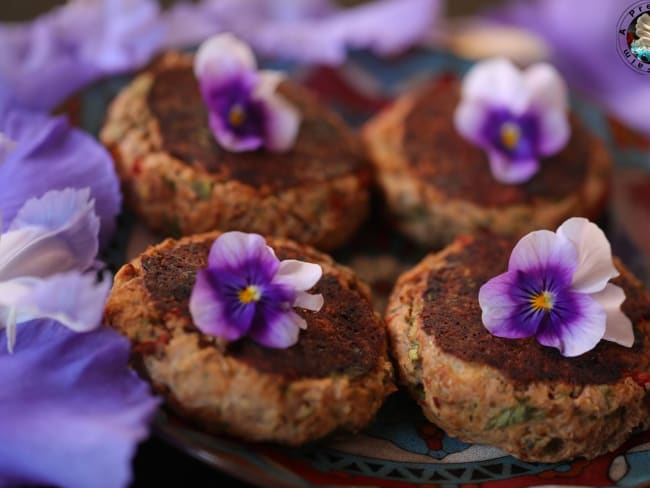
[[543, 249], [223, 57], [59, 233], [50, 155], [82, 382], [595, 265], [502, 312], [45, 61], [619, 327], [279, 330], [216, 315], [73, 299], [313, 31], [577, 331], [506, 170]]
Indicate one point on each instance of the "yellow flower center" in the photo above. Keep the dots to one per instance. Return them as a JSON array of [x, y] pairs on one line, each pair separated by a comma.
[[249, 294], [236, 116], [542, 301], [510, 135]]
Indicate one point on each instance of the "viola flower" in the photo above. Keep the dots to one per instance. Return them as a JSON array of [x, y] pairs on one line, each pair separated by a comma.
[[557, 289], [516, 117], [43, 258], [245, 111], [39, 153], [247, 291]]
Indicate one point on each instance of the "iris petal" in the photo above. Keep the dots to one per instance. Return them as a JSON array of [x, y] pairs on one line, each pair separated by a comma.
[[82, 382], [50, 155]]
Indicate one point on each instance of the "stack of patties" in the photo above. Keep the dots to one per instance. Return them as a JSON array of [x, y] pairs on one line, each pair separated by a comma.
[[212, 143], [235, 344], [505, 349], [433, 150]]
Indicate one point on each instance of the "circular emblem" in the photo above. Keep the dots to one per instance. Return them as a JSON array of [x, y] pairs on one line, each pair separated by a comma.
[[633, 36]]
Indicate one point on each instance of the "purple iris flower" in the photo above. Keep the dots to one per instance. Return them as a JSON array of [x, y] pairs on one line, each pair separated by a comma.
[[72, 411], [602, 76], [45, 61], [247, 291], [517, 117], [312, 31], [40, 153], [557, 289], [245, 111]]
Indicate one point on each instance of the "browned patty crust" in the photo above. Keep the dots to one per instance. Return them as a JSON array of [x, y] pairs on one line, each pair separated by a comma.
[[178, 178], [516, 394], [336, 376], [429, 172]]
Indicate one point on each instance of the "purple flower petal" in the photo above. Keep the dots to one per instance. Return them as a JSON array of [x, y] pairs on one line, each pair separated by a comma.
[[50, 155], [52, 234], [595, 265], [506, 170], [81, 382], [619, 327], [280, 328], [237, 250], [210, 314], [307, 31], [577, 328], [44, 61], [73, 299], [543, 249], [469, 120], [546, 87], [501, 308]]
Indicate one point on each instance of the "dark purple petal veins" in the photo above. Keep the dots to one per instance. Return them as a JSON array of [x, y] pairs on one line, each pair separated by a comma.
[[514, 136]]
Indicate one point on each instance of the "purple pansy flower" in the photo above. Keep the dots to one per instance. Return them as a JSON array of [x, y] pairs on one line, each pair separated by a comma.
[[44, 61], [517, 117], [43, 257], [557, 289], [40, 153], [312, 31], [247, 291], [245, 111]]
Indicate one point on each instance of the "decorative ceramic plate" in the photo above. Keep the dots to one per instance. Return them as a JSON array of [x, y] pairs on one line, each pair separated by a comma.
[[401, 448]]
